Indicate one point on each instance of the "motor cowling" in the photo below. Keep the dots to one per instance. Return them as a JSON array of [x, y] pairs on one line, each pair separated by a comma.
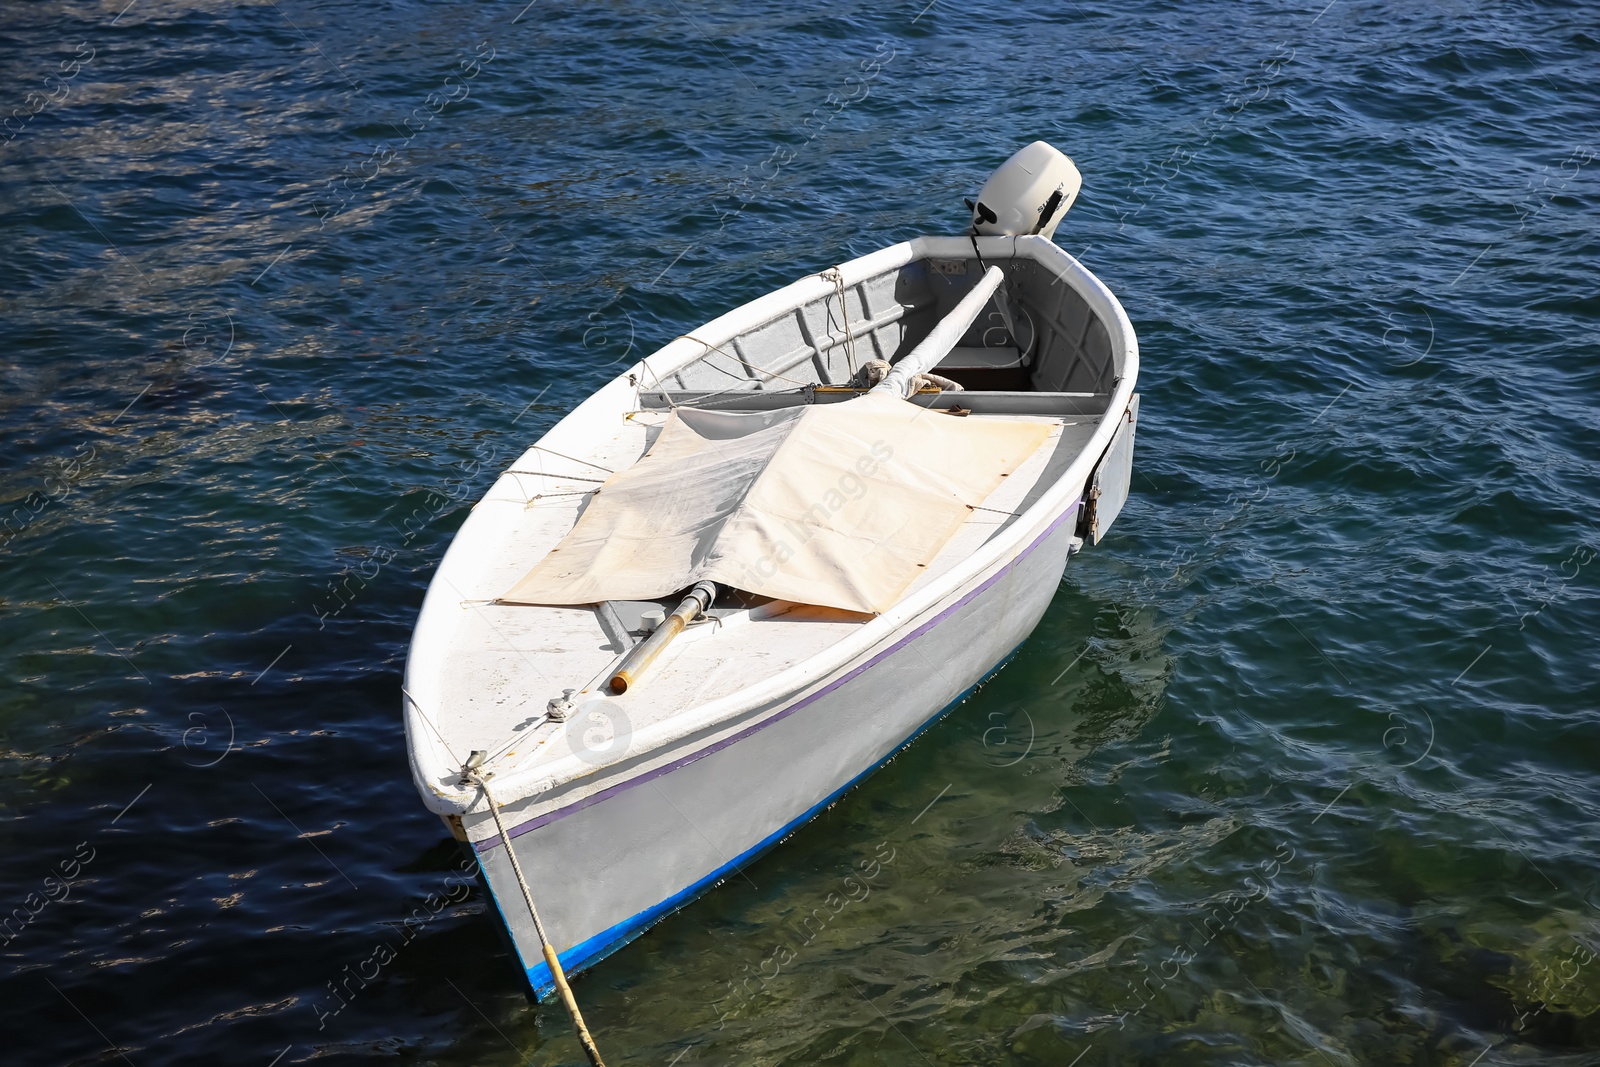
[[1028, 194]]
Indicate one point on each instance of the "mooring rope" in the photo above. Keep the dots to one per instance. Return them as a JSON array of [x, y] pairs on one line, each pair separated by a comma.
[[472, 772]]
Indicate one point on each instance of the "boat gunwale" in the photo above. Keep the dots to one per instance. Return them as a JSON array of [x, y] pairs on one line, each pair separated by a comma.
[[777, 690]]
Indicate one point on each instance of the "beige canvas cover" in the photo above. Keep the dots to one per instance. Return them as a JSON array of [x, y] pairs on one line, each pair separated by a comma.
[[840, 505]]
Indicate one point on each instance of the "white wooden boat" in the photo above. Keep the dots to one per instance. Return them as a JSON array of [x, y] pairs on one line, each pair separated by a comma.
[[621, 807]]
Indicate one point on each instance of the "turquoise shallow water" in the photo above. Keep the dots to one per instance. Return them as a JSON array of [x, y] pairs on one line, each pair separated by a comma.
[[1300, 767]]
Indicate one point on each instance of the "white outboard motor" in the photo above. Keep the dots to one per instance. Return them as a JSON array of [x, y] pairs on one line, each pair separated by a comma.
[[1029, 194]]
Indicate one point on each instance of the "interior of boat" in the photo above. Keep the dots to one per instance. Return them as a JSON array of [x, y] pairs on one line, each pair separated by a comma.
[[1037, 336]]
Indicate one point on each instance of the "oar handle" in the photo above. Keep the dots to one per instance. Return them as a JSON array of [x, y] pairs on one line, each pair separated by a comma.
[[645, 652]]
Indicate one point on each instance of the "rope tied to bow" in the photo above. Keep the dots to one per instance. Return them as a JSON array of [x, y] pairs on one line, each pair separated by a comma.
[[472, 771]]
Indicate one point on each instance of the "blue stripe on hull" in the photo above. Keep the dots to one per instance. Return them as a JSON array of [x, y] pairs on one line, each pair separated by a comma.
[[601, 945]]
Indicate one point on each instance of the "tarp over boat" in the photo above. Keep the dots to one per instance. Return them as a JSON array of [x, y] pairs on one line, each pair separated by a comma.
[[840, 505]]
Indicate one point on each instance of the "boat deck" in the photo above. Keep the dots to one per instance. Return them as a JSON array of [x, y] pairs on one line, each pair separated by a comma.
[[505, 662]]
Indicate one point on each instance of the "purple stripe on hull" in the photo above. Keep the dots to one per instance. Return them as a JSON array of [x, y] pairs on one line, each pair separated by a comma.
[[667, 768]]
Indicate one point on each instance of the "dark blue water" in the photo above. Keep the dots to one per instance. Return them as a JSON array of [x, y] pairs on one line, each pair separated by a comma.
[[1300, 767]]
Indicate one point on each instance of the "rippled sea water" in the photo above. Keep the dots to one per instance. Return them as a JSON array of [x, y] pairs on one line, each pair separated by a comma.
[[1300, 767]]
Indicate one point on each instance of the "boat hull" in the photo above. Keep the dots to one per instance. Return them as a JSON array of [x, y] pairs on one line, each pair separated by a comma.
[[606, 867]]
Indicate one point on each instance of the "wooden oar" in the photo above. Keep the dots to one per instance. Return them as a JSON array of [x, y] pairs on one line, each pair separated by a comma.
[[646, 651]]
